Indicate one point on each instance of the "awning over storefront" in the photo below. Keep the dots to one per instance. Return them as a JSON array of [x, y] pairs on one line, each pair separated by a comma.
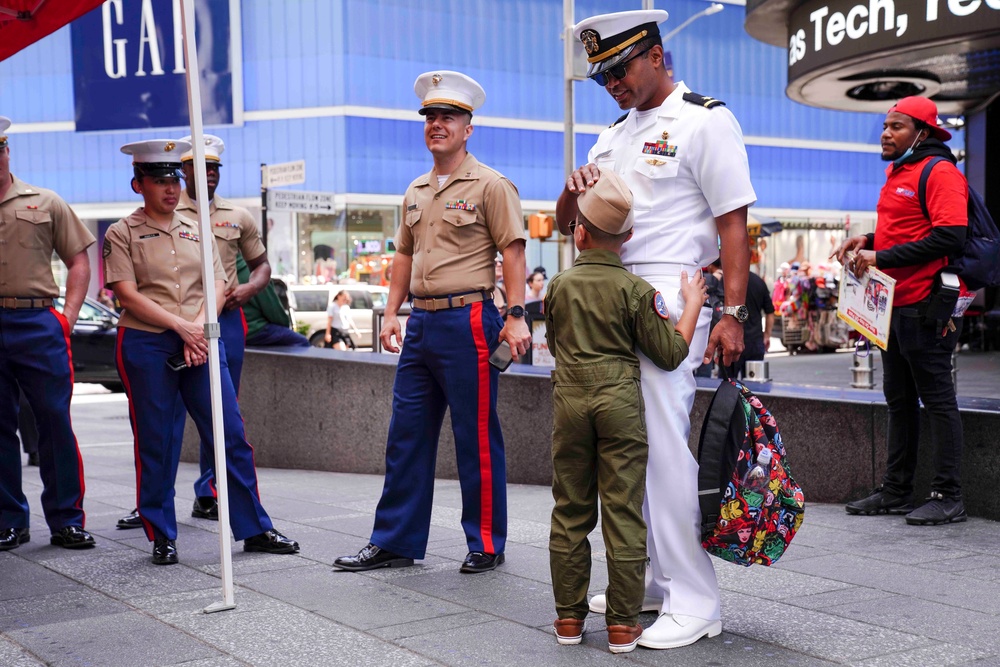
[[24, 22]]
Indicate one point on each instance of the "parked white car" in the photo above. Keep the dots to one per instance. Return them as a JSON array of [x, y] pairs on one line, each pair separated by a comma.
[[309, 304]]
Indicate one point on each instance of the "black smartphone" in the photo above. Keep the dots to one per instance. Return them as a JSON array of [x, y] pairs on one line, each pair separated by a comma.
[[500, 359], [176, 362]]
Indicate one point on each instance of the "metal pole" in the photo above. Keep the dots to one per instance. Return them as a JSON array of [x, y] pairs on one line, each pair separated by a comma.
[[568, 251], [211, 317], [263, 204]]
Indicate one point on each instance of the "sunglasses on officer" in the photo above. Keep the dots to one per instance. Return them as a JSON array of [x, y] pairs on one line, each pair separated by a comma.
[[619, 71]]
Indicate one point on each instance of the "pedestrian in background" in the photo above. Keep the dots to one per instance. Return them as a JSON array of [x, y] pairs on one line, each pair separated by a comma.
[[35, 354], [599, 446], [268, 322], [916, 365], [536, 287], [340, 322], [682, 156], [152, 261], [759, 326], [457, 216]]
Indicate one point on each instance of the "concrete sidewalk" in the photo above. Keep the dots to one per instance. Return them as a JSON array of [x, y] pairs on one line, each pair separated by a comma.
[[850, 590]]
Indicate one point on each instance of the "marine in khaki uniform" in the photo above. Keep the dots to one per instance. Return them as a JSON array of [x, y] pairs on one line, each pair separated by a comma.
[[152, 261], [35, 354], [456, 218], [596, 315], [235, 232]]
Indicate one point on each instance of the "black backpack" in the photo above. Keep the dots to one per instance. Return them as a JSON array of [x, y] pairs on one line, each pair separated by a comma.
[[978, 264], [741, 522]]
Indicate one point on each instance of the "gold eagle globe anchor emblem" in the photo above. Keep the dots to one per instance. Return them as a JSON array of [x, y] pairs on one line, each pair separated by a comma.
[[591, 41]]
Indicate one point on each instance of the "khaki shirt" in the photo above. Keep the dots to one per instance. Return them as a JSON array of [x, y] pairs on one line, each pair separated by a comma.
[[234, 229], [597, 312], [34, 222], [453, 232], [165, 264]]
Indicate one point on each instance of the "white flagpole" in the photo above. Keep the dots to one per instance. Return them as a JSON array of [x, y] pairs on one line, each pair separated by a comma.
[[193, 75]]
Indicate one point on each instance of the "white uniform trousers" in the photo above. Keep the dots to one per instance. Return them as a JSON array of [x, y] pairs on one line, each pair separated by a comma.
[[681, 571]]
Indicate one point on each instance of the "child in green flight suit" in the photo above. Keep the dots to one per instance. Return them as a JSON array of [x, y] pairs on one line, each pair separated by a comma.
[[596, 314]]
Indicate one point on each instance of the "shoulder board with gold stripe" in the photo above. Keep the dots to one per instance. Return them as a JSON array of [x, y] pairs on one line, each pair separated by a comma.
[[702, 101], [620, 119]]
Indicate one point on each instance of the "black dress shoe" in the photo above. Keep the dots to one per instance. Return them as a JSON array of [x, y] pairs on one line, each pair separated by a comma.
[[164, 551], [12, 538], [271, 542], [130, 520], [72, 537], [33, 459], [370, 558], [480, 561], [205, 507]]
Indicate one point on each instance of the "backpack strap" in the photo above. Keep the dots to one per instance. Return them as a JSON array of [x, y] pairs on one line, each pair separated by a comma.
[[922, 187], [711, 453]]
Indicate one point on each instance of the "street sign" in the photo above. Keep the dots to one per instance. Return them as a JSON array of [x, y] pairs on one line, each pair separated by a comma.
[[299, 201], [286, 173]]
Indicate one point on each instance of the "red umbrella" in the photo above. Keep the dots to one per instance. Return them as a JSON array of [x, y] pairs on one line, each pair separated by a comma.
[[24, 22]]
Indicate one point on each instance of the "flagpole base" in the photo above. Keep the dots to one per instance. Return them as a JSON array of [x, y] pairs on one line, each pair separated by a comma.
[[218, 606]]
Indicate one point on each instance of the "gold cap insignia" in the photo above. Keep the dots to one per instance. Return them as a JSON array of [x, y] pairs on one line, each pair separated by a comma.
[[169, 147], [436, 79], [591, 41]]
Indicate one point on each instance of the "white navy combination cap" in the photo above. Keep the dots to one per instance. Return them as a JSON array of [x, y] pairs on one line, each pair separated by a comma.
[[448, 90], [4, 124], [214, 148], [157, 157], [610, 38]]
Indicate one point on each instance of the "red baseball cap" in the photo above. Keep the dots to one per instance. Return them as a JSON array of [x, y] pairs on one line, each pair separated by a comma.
[[924, 110]]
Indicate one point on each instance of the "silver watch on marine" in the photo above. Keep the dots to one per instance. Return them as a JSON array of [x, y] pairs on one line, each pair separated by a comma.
[[739, 312]]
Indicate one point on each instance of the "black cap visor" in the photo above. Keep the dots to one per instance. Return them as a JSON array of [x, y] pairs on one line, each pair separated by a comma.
[[159, 169]]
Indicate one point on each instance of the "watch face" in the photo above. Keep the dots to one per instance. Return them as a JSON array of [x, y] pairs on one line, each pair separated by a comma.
[[742, 314], [517, 311]]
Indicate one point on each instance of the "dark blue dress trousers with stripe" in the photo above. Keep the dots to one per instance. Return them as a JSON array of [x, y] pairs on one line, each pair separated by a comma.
[[444, 363], [155, 393], [35, 354], [233, 330]]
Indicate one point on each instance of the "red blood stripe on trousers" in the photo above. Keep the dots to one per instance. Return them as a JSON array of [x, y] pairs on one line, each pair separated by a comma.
[[483, 427], [146, 527], [64, 325]]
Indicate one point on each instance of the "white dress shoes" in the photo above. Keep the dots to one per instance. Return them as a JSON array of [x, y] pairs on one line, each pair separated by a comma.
[[675, 630], [599, 604]]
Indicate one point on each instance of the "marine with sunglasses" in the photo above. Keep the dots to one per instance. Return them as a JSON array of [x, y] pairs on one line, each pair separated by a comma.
[[682, 155]]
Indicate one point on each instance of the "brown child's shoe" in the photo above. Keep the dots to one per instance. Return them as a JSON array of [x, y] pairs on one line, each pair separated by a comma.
[[569, 630], [623, 638]]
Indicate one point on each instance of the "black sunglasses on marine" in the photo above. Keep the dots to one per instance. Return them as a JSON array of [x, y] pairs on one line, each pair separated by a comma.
[[619, 71]]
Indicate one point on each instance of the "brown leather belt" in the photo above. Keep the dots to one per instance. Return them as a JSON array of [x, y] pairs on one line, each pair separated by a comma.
[[13, 303], [446, 302]]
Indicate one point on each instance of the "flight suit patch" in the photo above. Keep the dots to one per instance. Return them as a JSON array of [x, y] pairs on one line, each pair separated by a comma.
[[660, 306], [188, 235]]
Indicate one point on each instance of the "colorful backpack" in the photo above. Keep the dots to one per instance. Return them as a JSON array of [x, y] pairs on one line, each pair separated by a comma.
[[739, 524]]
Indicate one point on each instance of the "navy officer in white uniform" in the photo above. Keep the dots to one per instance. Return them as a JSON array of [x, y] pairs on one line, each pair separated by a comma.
[[683, 157]]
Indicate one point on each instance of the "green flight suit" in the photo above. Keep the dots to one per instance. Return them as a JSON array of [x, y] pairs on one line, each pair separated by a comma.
[[596, 314]]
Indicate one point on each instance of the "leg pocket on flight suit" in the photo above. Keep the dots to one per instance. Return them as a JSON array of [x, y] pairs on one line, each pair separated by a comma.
[[642, 405]]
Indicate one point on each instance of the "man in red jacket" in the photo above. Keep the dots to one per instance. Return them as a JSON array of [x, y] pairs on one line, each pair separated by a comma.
[[917, 364]]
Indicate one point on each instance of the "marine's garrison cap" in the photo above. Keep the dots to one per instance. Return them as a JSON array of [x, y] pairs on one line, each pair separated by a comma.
[[444, 89], [610, 38], [157, 157], [607, 204], [214, 148]]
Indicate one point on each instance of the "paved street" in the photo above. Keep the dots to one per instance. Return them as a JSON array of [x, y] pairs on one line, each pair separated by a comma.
[[850, 591]]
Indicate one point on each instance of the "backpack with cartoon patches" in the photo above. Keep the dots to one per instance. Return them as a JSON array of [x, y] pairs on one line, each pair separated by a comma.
[[739, 524]]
